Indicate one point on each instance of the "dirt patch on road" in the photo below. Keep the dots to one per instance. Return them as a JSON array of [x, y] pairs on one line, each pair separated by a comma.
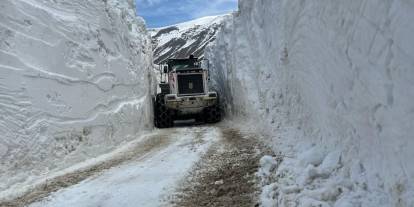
[[150, 144], [225, 176]]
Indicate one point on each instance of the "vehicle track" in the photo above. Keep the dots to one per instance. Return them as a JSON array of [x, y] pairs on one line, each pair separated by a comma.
[[149, 145], [225, 176]]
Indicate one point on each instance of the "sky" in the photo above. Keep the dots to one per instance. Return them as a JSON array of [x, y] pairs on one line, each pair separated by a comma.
[[159, 13]]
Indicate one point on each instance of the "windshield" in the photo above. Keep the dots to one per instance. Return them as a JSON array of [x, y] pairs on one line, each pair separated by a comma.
[[183, 64]]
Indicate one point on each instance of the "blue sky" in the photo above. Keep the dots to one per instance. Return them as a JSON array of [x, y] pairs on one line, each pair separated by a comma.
[[159, 13]]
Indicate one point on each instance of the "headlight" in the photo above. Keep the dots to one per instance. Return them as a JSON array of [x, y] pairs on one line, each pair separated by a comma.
[[170, 97], [213, 95]]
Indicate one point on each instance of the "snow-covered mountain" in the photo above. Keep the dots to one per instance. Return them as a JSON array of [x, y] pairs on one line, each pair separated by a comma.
[[184, 39], [330, 83], [73, 84]]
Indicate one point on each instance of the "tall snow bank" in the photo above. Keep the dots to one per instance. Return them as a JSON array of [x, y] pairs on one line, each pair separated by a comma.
[[74, 82], [331, 83]]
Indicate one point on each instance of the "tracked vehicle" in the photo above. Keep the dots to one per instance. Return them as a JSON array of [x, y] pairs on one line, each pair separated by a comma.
[[184, 93]]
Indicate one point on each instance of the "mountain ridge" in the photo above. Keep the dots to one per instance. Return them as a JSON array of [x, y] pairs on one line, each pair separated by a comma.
[[184, 39]]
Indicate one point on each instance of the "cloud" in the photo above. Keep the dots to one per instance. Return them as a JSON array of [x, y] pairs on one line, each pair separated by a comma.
[[173, 11], [149, 3], [215, 7]]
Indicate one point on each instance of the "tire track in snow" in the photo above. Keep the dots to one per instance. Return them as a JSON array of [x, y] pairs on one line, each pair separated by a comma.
[[225, 176], [149, 145], [143, 182]]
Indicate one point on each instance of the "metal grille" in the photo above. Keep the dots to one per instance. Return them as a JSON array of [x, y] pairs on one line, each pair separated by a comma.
[[190, 84]]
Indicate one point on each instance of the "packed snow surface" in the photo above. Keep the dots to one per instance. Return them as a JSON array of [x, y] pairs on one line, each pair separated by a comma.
[[74, 82], [149, 180], [331, 84]]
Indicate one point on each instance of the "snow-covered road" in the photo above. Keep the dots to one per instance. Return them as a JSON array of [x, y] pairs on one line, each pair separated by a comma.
[[146, 180], [183, 166]]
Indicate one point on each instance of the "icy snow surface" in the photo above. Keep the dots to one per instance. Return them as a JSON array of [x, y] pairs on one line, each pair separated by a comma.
[[147, 181], [73, 84], [331, 84]]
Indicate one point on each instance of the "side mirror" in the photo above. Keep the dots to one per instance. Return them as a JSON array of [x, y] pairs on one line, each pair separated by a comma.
[[207, 64], [165, 69]]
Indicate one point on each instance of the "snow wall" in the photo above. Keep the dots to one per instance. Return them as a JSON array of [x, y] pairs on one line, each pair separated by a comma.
[[74, 83], [332, 85]]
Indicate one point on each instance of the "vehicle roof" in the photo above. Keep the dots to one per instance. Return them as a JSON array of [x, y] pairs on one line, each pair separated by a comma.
[[191, 58]]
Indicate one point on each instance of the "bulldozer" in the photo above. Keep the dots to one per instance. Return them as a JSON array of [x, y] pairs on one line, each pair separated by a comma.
[[184, 93]]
